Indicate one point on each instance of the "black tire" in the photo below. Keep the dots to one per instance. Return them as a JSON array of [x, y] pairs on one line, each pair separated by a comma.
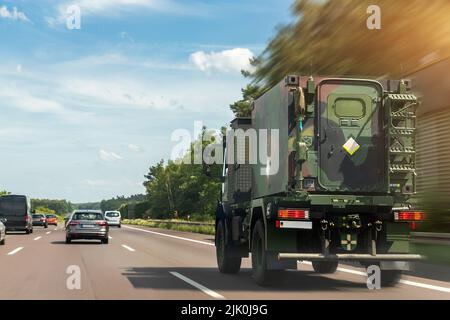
[[262, 275], [31, 230], [225, 263], [2, 243], [120, 226], [325, 267], [45, 226], [27, 231], [105, 241], [390, 278], [68, 240]]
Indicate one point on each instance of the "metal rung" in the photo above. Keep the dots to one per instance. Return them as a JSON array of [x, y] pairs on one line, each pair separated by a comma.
[[402, 97], [402, 150], [350, 256]]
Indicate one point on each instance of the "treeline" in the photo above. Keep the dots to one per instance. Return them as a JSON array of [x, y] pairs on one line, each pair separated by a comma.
[[117, 202], [61, 207], [179, 189]]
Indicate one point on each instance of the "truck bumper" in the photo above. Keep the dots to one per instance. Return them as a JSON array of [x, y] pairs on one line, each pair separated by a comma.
[[350, 257]]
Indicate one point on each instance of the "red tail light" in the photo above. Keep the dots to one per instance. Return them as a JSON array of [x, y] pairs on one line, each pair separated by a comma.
[[73, 223], [102, 223], [293, 214], [409, 216], [26, 217]]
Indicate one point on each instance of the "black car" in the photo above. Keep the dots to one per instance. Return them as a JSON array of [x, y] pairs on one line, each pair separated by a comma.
[[40, 220], [16, 209]]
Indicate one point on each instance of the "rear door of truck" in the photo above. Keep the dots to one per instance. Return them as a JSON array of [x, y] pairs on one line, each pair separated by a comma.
[[352, 138]]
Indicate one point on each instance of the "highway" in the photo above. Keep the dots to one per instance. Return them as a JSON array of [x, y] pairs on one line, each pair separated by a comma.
[[144, 263]]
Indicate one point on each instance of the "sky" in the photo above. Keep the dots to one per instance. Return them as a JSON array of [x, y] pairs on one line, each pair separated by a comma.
[[85, 112]]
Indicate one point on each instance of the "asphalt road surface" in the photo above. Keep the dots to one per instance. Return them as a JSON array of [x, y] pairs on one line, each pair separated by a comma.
[[143, 263]]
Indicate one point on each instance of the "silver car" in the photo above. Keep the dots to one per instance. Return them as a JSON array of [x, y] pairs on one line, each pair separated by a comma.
[[87, 224], [2, 231]]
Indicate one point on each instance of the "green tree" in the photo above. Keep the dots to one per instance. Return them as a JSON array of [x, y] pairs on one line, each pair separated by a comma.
[[178, 189], [243, 107], [45, 210], [332, 38]]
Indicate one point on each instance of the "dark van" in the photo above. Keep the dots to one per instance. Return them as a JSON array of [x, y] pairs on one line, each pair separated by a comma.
[[16, 209]]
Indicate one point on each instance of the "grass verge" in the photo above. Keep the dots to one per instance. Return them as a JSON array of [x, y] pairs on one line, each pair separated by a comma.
[[171, 226]]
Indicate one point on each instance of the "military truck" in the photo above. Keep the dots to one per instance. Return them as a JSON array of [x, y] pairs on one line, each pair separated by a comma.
[[343, 188]]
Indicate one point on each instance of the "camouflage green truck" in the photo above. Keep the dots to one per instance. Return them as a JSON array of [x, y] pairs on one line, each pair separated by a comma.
[[342, 188]]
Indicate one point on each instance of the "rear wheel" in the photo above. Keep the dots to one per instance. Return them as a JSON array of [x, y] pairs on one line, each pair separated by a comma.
[[390, 278], [2, 243], [120, 226], [27, 231], [105, 241], [68, 240], [325, 266], [45, 226], [31, 230], [262, 275], [225, 263]]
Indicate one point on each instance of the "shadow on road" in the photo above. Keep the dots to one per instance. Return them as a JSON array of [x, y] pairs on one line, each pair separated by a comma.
[[74, 242], [300, 281]]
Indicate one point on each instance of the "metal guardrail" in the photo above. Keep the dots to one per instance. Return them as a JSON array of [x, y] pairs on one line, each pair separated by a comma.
[[190, 223], [416, 237], [431, 238]]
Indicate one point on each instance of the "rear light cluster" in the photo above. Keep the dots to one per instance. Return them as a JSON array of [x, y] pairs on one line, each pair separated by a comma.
[[293, 214], [409, 216], [102, 223], [73, 223]]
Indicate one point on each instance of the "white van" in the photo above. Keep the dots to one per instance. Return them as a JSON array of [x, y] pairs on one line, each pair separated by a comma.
[[113, 218]]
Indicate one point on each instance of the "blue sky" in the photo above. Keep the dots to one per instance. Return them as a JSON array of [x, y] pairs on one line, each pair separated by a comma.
[[85, 113]]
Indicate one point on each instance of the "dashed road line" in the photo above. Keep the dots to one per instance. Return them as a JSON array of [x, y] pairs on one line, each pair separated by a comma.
[[109, 237], [128, 248], [204, 289], [48, 232], [37, 238], [15, 251], [171, 236], [402, 281]]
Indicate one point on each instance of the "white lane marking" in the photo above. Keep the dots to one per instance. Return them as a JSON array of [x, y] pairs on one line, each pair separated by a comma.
[[171, 236], [15, 251], [55, 229], [197, 285], [402, 281], [109, 237], [425, 286], [128, 248], [48, 232], [37, 238]]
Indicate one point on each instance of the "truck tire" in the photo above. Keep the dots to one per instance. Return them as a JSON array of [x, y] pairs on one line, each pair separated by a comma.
[[325, 266], [262, 275], [390, 278], [225, 263]]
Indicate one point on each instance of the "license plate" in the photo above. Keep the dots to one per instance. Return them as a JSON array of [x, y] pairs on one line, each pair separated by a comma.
[[296, 224], [87, 226]]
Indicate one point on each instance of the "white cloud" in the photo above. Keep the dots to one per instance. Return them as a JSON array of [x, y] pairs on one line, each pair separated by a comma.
[[108, 155], [114, 8], [94, 183], [233, 60], [134, 148], [19, 68], [13, 14]]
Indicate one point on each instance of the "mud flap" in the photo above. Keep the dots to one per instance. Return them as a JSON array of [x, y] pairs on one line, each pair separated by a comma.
[[395, 265]]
